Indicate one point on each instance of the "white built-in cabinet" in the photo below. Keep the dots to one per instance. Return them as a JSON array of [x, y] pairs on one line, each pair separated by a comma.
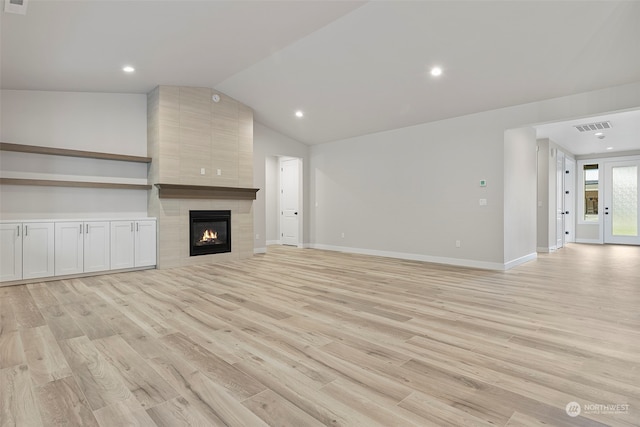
[[68, 248], [133, 244], [96, 246], [37, 250], [31, 250], [10, 252], [81, 247]]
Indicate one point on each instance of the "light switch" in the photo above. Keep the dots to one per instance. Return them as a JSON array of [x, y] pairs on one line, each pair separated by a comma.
[[202, 171], [219, 172], [483, 202]]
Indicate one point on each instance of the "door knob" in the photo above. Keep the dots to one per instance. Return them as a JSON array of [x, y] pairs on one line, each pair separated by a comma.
[[295, 213]]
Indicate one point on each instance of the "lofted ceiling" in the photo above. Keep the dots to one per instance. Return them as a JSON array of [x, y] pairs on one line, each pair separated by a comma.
[[352, 67]]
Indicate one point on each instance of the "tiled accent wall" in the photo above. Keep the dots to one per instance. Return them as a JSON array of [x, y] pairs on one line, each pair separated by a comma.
[[186, 132]]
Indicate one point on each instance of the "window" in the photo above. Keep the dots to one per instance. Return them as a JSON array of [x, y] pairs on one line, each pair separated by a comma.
[[591, 176]]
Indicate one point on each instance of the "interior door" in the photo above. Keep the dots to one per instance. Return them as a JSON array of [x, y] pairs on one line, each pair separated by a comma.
[[621, 218], [569, 200], [289, 202], [560, 211]]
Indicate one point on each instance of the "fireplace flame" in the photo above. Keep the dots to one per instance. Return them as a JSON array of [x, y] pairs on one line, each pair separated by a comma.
[[208, 236]]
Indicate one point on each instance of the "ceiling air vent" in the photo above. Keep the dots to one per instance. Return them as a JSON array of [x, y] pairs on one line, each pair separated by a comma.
[[590, 127], [16, 6]]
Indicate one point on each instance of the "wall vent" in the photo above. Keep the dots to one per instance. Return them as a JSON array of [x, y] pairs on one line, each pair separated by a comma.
[[16, 6], [590, 127]]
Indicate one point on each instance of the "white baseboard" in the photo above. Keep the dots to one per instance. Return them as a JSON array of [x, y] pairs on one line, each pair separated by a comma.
[[591, 241], [426, 258], [519, 261], [259, 250], [273, 242]]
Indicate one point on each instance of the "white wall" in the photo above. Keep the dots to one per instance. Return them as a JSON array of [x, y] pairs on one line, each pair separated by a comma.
[[542, 212], [107, 122], [519, 195], [269, 144], [413, 192], [272, 199], [111, 123]]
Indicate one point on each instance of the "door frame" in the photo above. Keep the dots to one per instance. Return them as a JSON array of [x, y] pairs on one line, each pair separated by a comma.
[[601, 162]]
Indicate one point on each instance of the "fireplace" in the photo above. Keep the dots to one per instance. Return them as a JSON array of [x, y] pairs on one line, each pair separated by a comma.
[[210, 232]]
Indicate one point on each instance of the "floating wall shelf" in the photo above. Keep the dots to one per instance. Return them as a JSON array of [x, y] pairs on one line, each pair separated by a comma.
[[82, 184], [34, 149]]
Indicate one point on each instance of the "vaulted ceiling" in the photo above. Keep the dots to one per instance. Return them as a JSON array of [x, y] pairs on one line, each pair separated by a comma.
[[352, 67]]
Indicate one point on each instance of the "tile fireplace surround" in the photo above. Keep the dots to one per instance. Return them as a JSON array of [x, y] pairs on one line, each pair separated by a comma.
[[189, 133]]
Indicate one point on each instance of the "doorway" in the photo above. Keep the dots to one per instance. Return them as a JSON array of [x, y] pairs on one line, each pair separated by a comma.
[[621, 219]]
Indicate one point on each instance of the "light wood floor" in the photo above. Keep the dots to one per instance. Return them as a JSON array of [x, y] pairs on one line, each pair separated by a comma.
[[307, 338]]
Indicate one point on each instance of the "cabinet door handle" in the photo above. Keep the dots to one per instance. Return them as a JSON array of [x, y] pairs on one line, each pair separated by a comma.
[[26, 230], [132, 227], [80, 228], [87, 229], [18, 227], [137, 227]]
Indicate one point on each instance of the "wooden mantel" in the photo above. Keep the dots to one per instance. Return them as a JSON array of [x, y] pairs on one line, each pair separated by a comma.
[[178, 191]]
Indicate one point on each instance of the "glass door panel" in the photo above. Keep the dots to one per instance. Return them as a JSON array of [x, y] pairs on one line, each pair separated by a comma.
[[624, 204], [621, 203]]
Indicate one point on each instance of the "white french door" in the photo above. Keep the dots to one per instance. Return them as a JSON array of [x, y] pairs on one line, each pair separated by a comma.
[[621, 219]]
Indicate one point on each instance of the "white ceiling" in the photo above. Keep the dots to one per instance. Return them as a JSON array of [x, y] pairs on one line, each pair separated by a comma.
[[624, 134], [353, 67]]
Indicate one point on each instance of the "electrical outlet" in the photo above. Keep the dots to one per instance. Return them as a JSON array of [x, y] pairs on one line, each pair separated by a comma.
[[483, 202], [458, 243], [202, 171], [257, 237], [219, 172], [343, 235]]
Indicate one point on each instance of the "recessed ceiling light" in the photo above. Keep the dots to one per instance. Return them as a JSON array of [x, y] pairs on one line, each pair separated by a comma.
[[609, 148], [128, 69], [599, 135], [436, 71], [299, 114]]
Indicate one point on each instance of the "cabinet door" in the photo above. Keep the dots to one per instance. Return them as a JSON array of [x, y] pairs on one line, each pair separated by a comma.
[[10, 252], [145, 246], [96, 246], [38, 250], [69, 248], [122, 241]]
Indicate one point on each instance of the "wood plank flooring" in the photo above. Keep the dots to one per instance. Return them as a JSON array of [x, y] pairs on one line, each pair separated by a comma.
[[302, 337]]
